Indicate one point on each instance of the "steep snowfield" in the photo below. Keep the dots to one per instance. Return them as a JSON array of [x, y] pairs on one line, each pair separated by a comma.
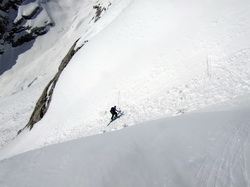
[[72, 19], [153, 59], [22, 85], [196, 149]]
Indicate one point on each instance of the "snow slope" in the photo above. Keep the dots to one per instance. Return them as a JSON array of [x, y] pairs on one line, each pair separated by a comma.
[[196, 149], [22, 85], [154, 60], [150, 58], [72, 20]]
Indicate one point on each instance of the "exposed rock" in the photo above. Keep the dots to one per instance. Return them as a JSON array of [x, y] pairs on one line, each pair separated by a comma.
[[43, 103], [14, 29], [99, 10]]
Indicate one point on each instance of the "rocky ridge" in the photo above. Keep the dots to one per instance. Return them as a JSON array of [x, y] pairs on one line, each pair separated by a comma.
[[22, 21]]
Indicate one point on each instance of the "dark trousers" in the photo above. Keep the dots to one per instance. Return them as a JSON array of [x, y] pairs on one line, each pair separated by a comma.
[[114, 115]]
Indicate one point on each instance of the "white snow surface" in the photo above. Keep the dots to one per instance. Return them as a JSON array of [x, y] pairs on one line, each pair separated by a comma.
[[22, 85], [196, 149], [153, 60]]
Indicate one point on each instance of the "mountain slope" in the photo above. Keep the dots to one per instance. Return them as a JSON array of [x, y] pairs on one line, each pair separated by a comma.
[[196, 149], [22, 85], [154, 59]]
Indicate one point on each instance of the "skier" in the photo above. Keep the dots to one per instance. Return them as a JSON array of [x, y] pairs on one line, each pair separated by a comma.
[[113, 111]]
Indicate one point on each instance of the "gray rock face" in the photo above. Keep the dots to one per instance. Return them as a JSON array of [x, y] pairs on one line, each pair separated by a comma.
[[15, 18], [43, 103]]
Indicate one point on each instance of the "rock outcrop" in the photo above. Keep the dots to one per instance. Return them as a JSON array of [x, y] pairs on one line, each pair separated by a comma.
[[43, 103], [17, 22]]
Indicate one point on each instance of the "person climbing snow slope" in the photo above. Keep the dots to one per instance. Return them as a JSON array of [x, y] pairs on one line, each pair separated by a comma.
[[113, 111]]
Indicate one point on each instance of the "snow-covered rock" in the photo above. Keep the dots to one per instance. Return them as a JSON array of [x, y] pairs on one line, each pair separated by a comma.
[[22, 22]]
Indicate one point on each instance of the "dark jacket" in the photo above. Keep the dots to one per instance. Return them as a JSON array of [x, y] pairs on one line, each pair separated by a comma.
[[113, 110]]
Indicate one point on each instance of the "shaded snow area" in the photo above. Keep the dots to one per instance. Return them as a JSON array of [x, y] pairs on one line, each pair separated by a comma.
[[180, 72], [196, 149]]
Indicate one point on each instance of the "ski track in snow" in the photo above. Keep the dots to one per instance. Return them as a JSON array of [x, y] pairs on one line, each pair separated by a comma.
[[218, 166]]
